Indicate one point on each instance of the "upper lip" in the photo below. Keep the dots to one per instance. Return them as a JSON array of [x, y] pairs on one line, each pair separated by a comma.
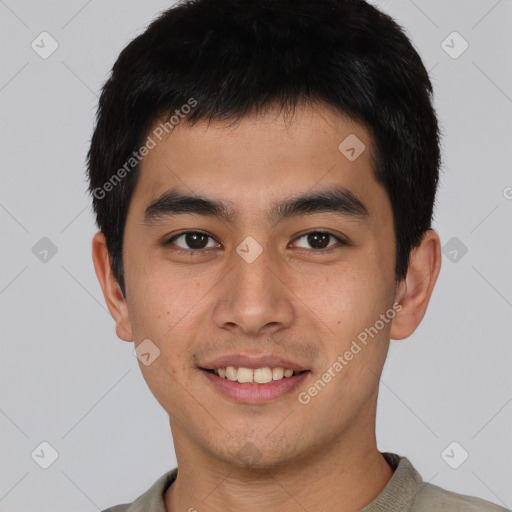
[[252, 361]]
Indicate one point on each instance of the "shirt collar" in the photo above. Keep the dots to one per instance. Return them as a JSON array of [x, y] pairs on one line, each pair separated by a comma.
[[400, 492], [397, 496]]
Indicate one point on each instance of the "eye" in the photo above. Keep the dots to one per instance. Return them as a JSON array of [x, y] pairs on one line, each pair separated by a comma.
[[319, 240], [192, 241], [196, 241]]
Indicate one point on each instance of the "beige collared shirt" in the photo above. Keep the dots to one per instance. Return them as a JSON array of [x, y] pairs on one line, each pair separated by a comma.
[[405, 492]]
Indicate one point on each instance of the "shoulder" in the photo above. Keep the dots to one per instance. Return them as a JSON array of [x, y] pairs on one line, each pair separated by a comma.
[[152, 500], [431, 498], [407, 491]]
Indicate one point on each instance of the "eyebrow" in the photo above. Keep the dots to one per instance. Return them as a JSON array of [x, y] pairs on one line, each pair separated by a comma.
[[338, 200]]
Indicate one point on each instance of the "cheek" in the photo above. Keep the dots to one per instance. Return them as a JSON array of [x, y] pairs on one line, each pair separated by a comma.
[[168, 307], [345, 299], [164, 310], [160, 297]]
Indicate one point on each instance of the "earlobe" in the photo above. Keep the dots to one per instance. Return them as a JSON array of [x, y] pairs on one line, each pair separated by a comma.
[[414, 292], [112, 293]]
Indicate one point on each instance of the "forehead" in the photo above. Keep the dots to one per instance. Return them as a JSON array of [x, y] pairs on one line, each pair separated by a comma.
[[250, 163]]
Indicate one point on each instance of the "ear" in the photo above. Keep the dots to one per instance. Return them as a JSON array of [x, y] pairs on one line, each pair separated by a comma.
[[414, 292], [114, 298]]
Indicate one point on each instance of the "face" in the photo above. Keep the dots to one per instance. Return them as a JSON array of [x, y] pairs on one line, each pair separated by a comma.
[[287, 260]]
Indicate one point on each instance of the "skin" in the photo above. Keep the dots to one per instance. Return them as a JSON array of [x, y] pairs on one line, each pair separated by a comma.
[[304, 306]]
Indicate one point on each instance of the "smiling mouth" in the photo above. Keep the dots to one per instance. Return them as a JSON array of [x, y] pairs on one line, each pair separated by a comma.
[[253, 376]]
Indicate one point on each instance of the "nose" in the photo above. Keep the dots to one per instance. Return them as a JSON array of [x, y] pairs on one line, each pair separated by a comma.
[[253, 299]]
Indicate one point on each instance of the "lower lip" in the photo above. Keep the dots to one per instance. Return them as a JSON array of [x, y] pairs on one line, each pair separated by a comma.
[[255, 393]]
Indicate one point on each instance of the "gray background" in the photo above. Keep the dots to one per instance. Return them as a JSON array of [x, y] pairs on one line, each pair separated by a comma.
[[66, 379]]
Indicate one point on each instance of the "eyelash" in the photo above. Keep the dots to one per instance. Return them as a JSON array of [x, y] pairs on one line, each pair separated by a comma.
[[198, 251]]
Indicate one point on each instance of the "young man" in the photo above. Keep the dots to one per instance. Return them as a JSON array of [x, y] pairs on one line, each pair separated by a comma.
[[263, 175]]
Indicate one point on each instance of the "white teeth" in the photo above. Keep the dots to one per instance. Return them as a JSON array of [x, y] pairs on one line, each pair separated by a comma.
[[263, 375], [231, 372], [245, 375], [277, 373], [258, 376]]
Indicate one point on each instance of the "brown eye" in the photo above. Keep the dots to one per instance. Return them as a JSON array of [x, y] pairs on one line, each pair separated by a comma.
[[318, 240], [192, 240]]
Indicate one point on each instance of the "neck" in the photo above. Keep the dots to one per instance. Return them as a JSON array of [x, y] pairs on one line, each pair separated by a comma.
[[347, 475]]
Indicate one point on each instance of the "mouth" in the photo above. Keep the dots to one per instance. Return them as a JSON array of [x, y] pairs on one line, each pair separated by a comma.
[[253, 375], [254, 385]]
